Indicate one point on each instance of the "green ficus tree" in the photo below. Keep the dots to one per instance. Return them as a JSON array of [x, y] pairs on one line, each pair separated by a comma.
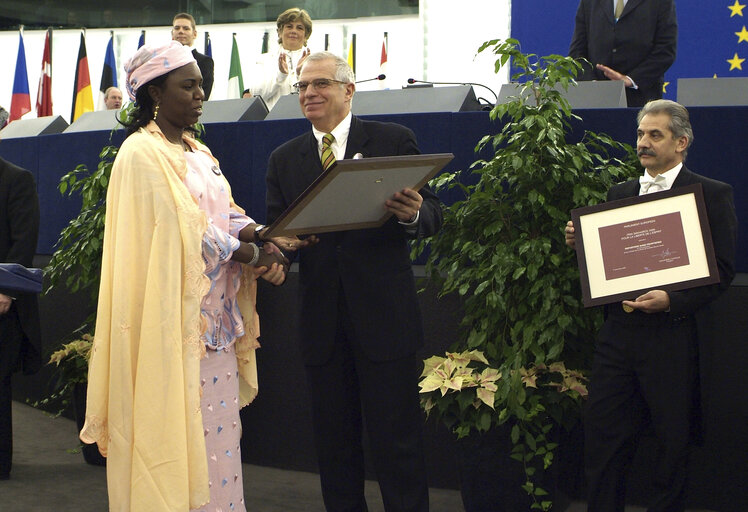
[[502, 250]]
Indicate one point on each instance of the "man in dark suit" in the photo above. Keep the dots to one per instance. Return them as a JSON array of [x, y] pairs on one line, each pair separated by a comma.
[[360, 321], [20, 341], [646, 365], [636, 45], [184, 30]]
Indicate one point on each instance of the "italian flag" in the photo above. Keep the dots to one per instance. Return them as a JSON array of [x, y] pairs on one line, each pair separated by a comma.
[[236, 84]]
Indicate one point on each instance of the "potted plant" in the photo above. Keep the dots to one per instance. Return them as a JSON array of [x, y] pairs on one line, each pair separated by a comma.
[[71, 377], [525, 335], [76, 266]]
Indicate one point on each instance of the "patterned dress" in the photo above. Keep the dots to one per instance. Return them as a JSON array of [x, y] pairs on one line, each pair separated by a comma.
[[219, 378]]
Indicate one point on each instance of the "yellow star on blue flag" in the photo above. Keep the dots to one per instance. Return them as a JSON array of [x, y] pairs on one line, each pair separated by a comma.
[[736, 9], [742, 35], [736, 62]]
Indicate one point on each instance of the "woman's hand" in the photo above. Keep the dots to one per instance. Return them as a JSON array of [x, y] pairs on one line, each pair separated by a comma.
[[272, 265], [304, 55], [283, 63]]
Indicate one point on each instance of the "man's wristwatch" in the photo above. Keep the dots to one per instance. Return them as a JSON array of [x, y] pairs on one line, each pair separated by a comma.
[[259, 228]]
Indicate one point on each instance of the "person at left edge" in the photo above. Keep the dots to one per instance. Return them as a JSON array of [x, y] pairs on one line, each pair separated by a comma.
[[20, 339], [184, 30], [173, 357]]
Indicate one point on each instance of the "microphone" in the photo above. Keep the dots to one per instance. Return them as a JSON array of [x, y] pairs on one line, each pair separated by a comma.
[[380, 77], [496, 98]]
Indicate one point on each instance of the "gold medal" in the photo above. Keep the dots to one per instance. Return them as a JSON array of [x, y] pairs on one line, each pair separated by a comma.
[[627, 308]]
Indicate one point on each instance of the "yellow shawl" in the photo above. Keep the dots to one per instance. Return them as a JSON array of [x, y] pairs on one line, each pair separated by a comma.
[[143, 407]]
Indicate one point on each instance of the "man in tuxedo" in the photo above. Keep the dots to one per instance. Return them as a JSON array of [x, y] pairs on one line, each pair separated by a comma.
[[629, 40], [646, 363], [184, 30], [20, 340], [360, 321]]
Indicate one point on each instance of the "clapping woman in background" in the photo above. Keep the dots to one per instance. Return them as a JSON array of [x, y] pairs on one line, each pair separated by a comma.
[[276, 72]]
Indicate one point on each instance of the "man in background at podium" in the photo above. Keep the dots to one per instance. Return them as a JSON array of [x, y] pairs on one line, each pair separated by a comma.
[[184, 30], [113, 98], [646, 366], [360, 323], [629, 40], [20, 339]]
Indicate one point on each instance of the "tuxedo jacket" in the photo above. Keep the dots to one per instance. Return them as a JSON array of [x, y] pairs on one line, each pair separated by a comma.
[[19, 229], [371, 268], [205, 64], [641, 45]]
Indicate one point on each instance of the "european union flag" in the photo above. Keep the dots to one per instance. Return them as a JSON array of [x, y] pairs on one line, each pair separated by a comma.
[[712, 41], [712, 36]]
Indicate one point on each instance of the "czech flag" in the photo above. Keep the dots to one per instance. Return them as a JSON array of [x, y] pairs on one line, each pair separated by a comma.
[[82, 95], [21, 102]]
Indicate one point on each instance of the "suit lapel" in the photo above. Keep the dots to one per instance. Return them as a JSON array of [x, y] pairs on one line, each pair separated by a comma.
[[358, 139], [633, 188], [630, 6], [685, 177], [608, 8], [311, 166]]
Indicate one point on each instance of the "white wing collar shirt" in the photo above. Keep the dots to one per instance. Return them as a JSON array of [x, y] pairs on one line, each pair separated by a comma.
[[663, 181]]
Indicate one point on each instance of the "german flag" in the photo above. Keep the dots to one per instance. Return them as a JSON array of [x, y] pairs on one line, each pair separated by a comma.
[[82, 95]]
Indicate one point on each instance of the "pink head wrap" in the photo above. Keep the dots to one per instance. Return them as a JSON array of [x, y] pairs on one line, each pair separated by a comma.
[[150, 62]]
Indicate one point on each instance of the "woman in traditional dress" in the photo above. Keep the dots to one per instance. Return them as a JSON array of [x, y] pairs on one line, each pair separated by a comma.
[[173, 358]]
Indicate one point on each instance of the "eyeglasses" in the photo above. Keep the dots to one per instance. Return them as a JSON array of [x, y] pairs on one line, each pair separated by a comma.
[[317, 83]]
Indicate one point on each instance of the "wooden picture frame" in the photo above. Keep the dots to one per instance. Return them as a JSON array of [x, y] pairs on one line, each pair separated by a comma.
[[351, 194], [655, 241]]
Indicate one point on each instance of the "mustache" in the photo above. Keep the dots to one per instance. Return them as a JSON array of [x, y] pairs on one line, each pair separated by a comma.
[[645, 151]]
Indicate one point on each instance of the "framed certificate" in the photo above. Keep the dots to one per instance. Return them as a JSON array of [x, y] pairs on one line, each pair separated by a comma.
[[655, 241], [351, 194]]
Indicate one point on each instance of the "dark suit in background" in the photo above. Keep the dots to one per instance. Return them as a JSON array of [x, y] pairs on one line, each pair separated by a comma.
[[20, 340], [205, 64], [360, 328], [641, 45], [646, 371]]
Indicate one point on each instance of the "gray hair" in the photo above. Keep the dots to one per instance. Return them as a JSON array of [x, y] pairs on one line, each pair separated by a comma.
[[679, 124], [343, 71]]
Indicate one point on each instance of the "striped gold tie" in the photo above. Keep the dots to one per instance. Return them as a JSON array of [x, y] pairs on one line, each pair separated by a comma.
[[619, 8], [328, 157]]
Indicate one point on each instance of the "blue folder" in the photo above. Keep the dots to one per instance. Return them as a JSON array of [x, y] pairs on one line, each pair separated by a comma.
[[14, 276]]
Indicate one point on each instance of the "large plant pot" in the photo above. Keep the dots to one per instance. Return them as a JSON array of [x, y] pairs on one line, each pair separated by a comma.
[[491, 481], [90, 451]]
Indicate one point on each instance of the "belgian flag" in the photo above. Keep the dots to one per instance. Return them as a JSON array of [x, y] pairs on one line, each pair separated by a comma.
[[82, 94]]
